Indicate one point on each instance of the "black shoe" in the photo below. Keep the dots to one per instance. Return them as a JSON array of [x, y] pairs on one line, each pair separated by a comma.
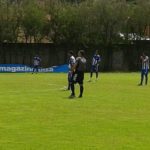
[[140, 84], [72, 96], [80, 96]]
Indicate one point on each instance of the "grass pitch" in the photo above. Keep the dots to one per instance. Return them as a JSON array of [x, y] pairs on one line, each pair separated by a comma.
[[36, 114]]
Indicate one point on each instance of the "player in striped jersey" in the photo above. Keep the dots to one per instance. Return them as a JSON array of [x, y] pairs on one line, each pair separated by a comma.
[[95, 65], [145, 68], [70, 66], [36, 63]]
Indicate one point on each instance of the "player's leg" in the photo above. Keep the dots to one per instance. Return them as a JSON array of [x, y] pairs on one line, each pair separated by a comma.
[[81, 84], [91, 73], [37, 69], [146, 77], [69, 83], [73, 81], [97, 73], [72, 89], [33, 70], [142, 77], [81, 90], [69, 80]]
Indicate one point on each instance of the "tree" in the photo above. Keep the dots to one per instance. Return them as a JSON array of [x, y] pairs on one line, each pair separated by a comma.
[[33, 22]]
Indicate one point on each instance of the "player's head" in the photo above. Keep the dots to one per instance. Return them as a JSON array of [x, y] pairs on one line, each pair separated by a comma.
[[144, 54], [70, 53], [81, 53], [96, 52]]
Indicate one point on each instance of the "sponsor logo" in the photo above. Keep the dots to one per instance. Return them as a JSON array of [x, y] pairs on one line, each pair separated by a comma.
[[24, 68]]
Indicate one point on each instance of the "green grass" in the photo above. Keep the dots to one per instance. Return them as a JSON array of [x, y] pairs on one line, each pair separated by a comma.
[[35, 114]]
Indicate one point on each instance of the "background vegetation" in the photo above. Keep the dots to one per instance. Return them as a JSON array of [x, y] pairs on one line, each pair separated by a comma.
[[74, 22]]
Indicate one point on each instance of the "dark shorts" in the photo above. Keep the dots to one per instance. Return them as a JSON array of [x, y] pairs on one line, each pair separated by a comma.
[[94, 68], [144, 71], [36, 66], [78, 77]]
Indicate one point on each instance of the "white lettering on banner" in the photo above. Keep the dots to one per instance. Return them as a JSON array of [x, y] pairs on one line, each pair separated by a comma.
[[24, 69]]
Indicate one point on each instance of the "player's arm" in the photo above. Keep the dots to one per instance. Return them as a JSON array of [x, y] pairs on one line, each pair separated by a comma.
[[99, 59], [141, 58], [146, 59], [72, 62], [75, 65]]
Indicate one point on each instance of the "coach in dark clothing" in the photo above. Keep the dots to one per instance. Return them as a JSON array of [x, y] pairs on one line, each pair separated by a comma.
[[78, 74]]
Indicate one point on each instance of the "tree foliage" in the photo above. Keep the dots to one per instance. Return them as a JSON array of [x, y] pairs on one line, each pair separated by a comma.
[[74, 22]]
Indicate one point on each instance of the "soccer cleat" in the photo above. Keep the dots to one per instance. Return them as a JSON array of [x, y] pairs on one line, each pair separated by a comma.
[[89, 80], [65, 88], [139, 84], [72, 96], [80, 96]]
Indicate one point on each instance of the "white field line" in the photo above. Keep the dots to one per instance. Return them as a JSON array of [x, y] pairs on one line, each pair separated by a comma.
[[59, 88]]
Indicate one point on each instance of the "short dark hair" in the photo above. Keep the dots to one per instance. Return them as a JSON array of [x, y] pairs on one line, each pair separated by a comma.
[[82, 52], [70, 52], [97, 51], [144, 53]]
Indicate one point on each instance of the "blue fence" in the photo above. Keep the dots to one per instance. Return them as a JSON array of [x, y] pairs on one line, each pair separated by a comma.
[[25, 68]]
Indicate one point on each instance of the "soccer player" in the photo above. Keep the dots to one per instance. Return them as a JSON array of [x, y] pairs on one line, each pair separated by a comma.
[[95, 65], [70, 66], [36, 63], [145, 68], [78, 74]]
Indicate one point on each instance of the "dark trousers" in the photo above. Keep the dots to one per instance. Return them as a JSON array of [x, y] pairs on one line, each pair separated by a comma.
[[94, 69], [35, 69], [77, 77], [70, 73], [144, 73]]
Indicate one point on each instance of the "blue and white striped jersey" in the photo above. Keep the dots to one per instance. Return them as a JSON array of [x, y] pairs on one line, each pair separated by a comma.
[[36, 61], [96, 59], [145, 63], [71, 62]]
